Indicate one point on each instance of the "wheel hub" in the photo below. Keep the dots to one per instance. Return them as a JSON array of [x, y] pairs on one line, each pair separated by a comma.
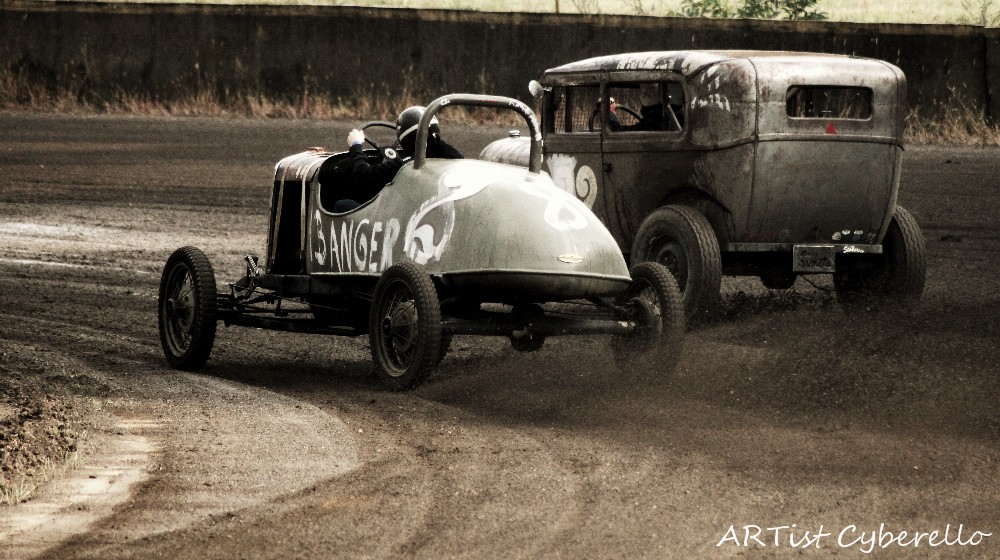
[[399, 326], [179, 311], [671, 255], [643, 313]]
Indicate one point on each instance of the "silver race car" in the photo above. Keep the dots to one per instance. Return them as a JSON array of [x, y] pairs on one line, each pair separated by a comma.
[[449, 247]]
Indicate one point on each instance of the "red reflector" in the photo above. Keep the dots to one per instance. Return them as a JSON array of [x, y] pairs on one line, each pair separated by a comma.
[[830, 129]]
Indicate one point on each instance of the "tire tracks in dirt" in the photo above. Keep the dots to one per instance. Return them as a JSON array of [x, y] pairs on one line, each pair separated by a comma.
[[178, 449]]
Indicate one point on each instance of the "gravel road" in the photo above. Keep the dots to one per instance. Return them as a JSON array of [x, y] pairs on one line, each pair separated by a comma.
[[785, 419]]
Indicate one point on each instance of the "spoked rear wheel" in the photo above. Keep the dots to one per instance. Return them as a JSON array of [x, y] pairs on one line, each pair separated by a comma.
[[187, 308], [654, 303], [405, 326]]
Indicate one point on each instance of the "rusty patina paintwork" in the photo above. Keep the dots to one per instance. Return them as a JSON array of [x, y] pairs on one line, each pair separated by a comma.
[[773, 164], [764, 180]]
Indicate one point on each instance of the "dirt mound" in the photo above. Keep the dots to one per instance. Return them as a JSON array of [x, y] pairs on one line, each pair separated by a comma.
[[38, 424]]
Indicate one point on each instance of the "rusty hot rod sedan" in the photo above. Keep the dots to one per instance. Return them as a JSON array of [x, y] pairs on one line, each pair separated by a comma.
[[449, 247], [769, 164]]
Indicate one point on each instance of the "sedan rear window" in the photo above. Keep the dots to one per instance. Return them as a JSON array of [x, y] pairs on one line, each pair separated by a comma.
[[829, 102]]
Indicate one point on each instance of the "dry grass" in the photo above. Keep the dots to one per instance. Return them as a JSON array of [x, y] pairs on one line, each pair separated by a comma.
[[18, 92], [958, 123], [19, 490], [15, 493], [955, 123]]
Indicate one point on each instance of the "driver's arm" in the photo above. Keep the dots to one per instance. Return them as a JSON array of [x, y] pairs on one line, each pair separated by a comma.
[[369, 179]]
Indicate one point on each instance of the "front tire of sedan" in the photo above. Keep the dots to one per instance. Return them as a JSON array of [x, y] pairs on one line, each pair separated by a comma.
[[653, 301], [405, 326], [187, 309], [683, 240], [893, 280]]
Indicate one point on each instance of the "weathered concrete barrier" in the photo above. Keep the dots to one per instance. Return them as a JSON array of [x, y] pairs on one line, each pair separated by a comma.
[[174, 50]]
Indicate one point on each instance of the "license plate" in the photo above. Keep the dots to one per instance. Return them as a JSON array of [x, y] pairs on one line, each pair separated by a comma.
[[813, 258]]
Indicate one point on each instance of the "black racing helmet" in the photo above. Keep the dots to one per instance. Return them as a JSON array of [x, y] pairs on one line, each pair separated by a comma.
[[406, 127]]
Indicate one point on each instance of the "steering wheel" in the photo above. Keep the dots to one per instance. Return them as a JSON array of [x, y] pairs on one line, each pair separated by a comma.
[[373, 124], [597, 111]]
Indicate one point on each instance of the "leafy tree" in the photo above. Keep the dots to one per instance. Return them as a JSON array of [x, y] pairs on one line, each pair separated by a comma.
[[706, 8], [801, 10], [755, 9], [759, 9], [982, 13]]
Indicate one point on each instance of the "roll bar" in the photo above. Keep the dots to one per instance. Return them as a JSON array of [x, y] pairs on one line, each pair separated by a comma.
[[496, 101]]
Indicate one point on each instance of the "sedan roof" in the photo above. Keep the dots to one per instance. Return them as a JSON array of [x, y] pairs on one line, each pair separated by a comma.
[[685, 63]]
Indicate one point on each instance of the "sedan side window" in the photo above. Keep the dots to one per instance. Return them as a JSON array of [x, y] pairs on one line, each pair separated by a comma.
[[646, 106], [574, 109]]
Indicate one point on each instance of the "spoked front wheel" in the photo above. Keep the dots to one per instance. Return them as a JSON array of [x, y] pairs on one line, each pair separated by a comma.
[[653, 302], [187, 308], [405, 326]]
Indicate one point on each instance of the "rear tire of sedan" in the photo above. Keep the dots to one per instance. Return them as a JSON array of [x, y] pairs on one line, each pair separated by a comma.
[[683, 240], [187, 309], [893, 280], [405, 326]]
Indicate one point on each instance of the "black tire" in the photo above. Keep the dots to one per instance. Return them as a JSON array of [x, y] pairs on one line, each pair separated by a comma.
[[681, 239], [187, 309], [893, 280], [405, 326], [654, 301], [528, 341], [778, 279]]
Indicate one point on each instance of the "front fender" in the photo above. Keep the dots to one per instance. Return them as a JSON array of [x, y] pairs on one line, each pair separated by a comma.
[[511, 151]]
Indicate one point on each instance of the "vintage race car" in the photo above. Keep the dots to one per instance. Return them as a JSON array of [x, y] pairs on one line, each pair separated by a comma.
[[770, 164], [449, 247]]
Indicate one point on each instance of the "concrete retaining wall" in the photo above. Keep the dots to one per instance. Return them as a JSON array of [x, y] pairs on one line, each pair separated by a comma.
[[171, 50]]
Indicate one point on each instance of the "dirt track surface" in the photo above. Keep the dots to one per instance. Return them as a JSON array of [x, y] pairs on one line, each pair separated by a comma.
[[784, 412]]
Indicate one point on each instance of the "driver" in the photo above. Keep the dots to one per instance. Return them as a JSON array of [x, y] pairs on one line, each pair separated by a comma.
[[613, 122], [651, 107], [367, 179], [406, 130]]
